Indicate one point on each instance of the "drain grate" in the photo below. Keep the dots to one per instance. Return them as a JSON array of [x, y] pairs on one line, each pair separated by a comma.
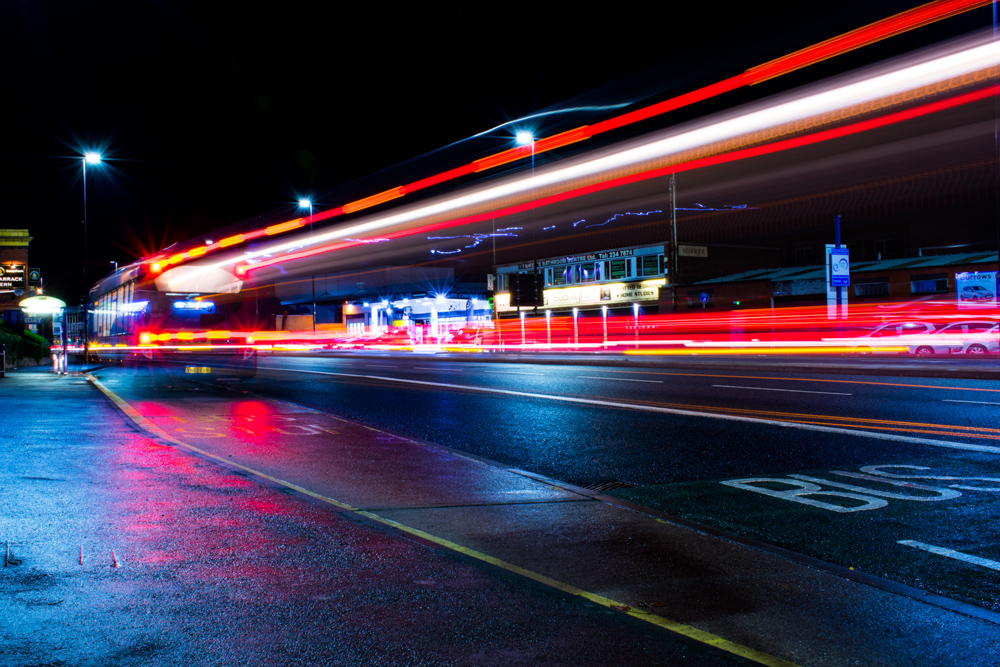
[[610, 485]]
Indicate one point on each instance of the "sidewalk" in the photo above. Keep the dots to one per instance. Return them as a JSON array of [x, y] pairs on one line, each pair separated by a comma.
[[125, 550], [566, 538]]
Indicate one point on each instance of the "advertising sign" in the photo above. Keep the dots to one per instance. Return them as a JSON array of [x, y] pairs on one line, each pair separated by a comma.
[[840, 267], [692, 251], [12, 276], [976, 289]]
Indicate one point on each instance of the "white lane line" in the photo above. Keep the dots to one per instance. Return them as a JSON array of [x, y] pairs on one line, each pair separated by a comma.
[[595, 377], [662, 410], [794, 391], [951, 553], [952, 400], [427, 368], [514, 373], [380, 366]]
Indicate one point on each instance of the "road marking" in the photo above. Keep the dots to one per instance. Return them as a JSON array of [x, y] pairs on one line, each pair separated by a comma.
[[595, 377], [952, 400], [794, 391], [380, 366], [673, 411], [514, 373], [951, 553], [665, 623], [427, 368], [821, 380]]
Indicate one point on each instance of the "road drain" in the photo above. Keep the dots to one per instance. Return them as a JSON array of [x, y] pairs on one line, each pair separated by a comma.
[[610, 485]]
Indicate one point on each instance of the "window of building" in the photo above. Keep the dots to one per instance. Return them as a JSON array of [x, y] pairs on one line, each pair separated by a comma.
[[929, 283], [872, 286]]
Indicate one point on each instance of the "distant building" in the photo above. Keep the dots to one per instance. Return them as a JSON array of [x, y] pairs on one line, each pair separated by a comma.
[[14, 274]]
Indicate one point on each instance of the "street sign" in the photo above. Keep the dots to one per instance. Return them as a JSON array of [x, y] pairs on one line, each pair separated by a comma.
[[840, 267], [704, 297]]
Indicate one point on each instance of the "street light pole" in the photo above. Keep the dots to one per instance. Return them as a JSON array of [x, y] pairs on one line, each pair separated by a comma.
[[307, 203], [94, 159]]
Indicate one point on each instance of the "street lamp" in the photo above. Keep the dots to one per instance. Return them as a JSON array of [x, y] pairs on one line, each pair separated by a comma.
[[94, 159], [604, 312], [307, 203], [635, 312], [576, 331]]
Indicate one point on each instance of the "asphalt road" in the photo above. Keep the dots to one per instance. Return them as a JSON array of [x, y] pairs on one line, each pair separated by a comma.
[[892, 472]]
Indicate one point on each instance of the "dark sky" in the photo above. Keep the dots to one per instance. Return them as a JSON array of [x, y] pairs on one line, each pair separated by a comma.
[[211, 112]]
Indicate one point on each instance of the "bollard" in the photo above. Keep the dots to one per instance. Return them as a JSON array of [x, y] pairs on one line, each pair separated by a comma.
[[3, 360]]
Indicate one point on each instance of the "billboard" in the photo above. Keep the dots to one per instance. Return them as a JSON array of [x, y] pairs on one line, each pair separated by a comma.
[[976, 289], [13, 275]]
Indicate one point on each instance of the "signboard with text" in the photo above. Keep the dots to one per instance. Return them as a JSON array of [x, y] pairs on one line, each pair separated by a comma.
[[976, 289], [13, 275]]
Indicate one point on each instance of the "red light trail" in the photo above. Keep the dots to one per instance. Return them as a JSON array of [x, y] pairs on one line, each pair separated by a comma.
[[756, 151], [849, 41]]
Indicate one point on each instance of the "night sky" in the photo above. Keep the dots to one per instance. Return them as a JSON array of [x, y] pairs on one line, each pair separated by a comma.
[[210, 113]]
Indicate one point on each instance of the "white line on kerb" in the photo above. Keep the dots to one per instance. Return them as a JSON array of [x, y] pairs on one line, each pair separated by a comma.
[[952, 400], [794, 391], [672, 411], [951, 553], [596, 377]]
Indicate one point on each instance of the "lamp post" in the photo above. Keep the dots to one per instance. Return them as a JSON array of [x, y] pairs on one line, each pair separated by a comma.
[[604, 312], [91, 158], [576, 331], [307, 203], [635, 312]]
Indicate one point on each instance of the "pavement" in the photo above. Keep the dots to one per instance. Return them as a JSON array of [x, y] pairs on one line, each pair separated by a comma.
[[124, 547], [260, 531]]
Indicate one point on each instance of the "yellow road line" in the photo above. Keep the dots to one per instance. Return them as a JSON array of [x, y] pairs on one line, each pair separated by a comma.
[[673, 626]]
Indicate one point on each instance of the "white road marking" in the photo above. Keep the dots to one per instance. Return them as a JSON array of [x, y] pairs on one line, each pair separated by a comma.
[[952, 400], [595, 377], [951, 553], [427, 368], [794, 391], [672, 411], [514, 373]]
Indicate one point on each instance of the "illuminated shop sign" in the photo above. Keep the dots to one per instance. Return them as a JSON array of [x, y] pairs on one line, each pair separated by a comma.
[[594, 295], [12, 276], [199, 307]]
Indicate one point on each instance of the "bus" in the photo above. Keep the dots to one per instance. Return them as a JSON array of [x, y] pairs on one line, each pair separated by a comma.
[[134, 318]]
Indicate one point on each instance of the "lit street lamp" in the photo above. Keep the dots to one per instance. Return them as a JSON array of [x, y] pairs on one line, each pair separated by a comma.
[[307, 203], [94, 159]]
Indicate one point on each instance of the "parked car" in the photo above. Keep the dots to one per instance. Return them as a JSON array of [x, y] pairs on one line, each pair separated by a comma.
[[889, 335], [985, 343], [949, 337]]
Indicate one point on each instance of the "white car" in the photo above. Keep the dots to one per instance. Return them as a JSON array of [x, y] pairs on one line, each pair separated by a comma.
[[985, 343], [888, 336], [950, 337]]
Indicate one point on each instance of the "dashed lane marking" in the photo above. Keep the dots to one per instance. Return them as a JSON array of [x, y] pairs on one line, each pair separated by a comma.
[[665, 623], [951, 553], [794, 391], [952, 400], [596, 377]]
